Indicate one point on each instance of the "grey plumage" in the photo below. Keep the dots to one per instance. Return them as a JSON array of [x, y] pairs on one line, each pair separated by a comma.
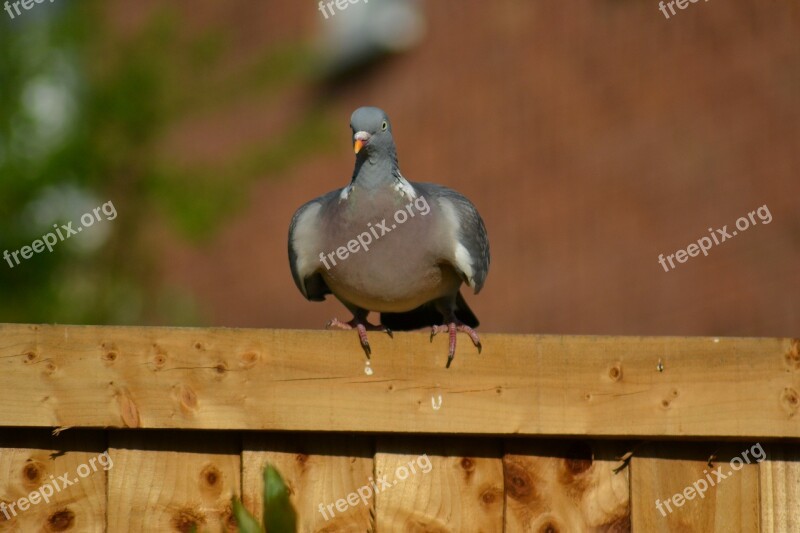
[[410, 272]]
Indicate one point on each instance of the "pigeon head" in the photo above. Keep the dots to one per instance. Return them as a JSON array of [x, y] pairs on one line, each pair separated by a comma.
[[372, 131]]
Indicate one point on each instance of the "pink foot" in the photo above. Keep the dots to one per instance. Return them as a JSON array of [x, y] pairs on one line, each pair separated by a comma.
[[362, 329], [452, 328]]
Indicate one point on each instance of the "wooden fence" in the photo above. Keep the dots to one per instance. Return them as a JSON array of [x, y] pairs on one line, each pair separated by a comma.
[[153, 429]]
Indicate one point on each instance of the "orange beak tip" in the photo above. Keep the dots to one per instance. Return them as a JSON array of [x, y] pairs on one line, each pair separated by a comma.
[[359, 144]]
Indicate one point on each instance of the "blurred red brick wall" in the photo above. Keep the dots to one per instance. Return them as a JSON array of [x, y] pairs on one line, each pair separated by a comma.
[[592, 136]]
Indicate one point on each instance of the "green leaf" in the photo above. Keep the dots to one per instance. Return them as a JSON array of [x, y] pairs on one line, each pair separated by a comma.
[[279, 514], [246, 522]]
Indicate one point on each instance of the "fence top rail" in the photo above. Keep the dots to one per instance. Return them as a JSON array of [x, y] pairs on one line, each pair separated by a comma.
[[258, 379]]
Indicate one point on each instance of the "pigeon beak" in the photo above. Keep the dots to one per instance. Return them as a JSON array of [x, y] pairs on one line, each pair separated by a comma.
[[361, 139]]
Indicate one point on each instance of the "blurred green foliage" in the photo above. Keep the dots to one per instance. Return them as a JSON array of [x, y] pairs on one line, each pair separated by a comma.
[[279, 515], [82, 114]]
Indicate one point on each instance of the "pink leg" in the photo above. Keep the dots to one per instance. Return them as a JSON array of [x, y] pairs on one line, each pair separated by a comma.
[[452, 328], [362, 329]]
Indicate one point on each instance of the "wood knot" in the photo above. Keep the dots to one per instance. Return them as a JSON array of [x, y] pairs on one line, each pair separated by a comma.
[[30, 357], [467, 464], [548, 527], [159, 361], [109, 348], [50, 368], [793, 355], [128, 410], [249, 359], [491, 495], [228, 519], [187, 519], [32, 472], [519, 484], [110, 356], [790, 401], [615, 372], [198, 346], [211, 480], [61, 520], [187, 399], [221, 367]]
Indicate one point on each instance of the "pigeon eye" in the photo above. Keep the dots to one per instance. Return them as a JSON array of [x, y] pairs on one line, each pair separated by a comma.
[[384, 126]]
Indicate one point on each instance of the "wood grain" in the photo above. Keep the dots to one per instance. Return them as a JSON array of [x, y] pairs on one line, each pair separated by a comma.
[[780, 488], [35, 461], [168, 481], [316, 381], [438, 486], [318, 469], [560, 486], [661, 470]]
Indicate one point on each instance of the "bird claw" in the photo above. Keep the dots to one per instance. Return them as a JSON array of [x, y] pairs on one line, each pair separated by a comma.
[[438, 329], [453, 328], [362, 328], [338, 324]]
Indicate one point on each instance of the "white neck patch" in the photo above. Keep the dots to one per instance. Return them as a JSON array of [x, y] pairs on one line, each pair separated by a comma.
[[404, 188]]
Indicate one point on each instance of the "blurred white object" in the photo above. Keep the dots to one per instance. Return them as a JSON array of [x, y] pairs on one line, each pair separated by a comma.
[[365, 30]]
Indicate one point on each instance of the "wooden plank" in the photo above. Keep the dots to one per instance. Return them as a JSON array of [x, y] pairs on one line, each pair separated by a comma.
[[167, 481], [319, 470], [566, 486], [446, 485], [316, 380], [67, 473], [780, 488], [660, 471]]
